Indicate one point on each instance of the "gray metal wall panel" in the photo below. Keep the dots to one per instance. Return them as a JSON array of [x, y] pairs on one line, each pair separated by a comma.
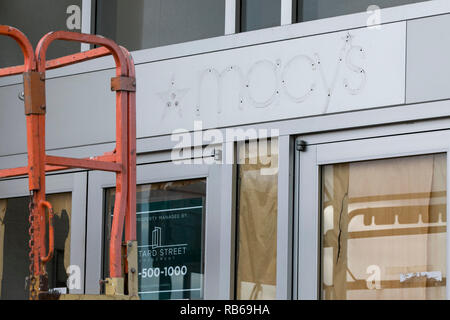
[[12, 121], [428, 64], [80, 111]]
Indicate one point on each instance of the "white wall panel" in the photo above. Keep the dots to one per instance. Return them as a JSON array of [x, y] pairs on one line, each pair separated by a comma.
[[428, 65], [329, 73]]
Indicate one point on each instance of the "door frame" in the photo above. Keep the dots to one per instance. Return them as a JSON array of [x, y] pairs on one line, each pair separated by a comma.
[[214, 280], [307, 189], [74, 183]]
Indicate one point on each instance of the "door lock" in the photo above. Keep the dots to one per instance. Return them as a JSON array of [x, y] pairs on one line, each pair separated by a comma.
[[300, 145]]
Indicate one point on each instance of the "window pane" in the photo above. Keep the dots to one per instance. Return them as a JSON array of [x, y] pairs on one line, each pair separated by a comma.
[[384, 229], [35, 19], [141, 24], [259, 14], [257, 220], [170, 239], [14, 237], [318, 9]]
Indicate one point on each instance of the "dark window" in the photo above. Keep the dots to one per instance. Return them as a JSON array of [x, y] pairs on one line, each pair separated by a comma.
[[14, 249], [170, 234], [308, 10], [141, 24], [259, 14], [35, 19]]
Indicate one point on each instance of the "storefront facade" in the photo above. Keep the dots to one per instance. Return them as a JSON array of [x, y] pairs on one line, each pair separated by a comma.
[[301, 156]]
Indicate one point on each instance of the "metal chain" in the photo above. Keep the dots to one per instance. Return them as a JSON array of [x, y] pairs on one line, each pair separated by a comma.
[[31, 243]]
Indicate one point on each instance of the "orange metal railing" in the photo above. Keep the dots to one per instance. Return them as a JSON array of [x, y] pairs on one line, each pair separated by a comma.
[[122, 160]]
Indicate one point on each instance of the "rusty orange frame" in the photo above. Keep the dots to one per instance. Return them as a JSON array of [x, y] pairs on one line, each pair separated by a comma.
[[122, 160]]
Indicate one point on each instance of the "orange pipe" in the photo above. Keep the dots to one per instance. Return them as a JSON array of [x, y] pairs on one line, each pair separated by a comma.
[[113, 48], [25, 46], [105, 162], [130, 217], [51, 232], [77, 58], [34, 141], [83, 163], [122, 123]]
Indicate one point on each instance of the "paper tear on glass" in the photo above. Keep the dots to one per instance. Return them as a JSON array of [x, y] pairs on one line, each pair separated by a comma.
[[436, 275]]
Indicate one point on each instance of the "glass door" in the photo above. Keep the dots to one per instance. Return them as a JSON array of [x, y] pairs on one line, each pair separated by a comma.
[[178, 230], [170, 235], [372, 218], [67, 194]]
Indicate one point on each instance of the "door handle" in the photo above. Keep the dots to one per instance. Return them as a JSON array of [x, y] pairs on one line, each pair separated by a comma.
[[51, 232]]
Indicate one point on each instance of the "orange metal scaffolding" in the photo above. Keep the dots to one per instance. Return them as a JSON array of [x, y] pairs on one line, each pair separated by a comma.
[[122, 160]]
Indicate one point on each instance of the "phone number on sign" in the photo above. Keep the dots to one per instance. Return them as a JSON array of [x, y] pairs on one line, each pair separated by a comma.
[[166, 271]]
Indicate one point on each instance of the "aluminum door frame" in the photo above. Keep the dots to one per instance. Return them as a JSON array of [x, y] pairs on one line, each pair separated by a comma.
[[307, 191], [76, 183], [216, 277]]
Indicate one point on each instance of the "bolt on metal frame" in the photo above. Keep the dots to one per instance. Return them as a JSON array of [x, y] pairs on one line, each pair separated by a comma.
[[122, 160]]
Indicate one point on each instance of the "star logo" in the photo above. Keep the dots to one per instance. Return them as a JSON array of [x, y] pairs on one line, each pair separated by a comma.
[[172, 98]]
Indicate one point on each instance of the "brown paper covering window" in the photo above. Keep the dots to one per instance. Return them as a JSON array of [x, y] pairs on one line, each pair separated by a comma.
[[257, 223], [384, 229]]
